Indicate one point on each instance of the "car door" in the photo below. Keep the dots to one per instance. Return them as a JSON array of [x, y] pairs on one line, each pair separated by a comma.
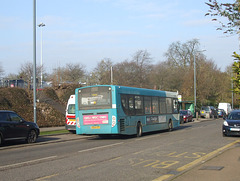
[[5, 125], [18, 127]]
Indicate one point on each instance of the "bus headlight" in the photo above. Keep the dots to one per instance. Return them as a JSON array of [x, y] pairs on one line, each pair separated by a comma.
[[113, 121]]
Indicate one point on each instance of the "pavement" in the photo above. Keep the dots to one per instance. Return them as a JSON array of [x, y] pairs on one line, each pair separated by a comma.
[[222, 164]]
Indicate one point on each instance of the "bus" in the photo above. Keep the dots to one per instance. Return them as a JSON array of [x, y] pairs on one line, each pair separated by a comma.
[[118, 110]]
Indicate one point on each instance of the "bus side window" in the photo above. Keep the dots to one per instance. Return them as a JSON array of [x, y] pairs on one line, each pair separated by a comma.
[[148, 105], [124, 103], [163, 109], [131, 105], [175, 106], [139, 105], [155, 105], [169, 105]]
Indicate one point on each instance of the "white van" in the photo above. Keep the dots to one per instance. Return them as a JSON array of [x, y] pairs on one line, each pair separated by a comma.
[[70, 124], [225, 106]]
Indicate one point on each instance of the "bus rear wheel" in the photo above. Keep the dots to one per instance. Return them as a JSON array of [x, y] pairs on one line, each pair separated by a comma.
[[139, 129]]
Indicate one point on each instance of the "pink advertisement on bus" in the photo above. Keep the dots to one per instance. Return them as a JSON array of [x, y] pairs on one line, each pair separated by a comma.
[[95, 119]]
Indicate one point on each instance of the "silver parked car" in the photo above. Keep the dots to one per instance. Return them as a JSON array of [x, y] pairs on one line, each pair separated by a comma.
[[208, 112]]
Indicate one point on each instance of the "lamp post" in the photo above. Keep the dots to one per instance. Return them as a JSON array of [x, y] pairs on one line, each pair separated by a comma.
[[41, 25], [34, 63], [195, 81]]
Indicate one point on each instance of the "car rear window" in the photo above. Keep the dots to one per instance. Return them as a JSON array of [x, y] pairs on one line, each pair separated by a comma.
[[206, 108]]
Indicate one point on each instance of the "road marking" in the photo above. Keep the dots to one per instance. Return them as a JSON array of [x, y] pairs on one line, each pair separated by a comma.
[[117, 158], [27, 162], [47, 177], [105, 146], [164, 177], [199, 160], [86, 166]]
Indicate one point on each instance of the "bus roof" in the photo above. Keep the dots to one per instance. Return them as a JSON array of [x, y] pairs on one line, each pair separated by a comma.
[[138, 91]]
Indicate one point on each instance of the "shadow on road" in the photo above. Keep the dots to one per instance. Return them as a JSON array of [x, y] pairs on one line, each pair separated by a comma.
[[44, 139]]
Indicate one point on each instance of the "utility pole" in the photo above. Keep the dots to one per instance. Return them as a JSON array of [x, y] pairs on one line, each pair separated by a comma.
[[34, 62]]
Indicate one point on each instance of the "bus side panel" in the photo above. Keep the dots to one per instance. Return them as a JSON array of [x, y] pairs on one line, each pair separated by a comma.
[[176, 120]]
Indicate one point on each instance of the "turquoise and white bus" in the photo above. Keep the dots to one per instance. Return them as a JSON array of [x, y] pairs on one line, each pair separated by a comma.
[[110, 109]]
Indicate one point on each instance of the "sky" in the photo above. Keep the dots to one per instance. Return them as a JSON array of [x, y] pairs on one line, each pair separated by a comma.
[[87, 31]]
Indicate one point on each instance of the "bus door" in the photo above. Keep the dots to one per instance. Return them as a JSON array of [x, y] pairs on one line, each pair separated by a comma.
[[128, 113]]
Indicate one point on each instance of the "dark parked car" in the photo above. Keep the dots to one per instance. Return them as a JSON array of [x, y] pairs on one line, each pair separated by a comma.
[[222, 113], [185, 116], [231, 126], [13, 127], [208, 112]]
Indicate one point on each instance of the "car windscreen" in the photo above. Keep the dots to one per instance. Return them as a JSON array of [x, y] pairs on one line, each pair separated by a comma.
[[95, 98], [234, 116], [71, 109]]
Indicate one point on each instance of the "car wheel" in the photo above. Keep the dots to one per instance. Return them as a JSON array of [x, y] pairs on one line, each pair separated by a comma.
[[32, 136], [139, 129]]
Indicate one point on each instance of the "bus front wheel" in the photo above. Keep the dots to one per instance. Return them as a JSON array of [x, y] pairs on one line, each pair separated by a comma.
[[139, 129]]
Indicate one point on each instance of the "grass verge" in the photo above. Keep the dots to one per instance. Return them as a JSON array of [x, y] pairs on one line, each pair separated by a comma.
[[53, 132]]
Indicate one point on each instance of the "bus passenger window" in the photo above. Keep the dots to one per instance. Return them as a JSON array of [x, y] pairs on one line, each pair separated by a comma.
[[169, 105], [155, 105], [139, 105], [124, 103], [147, 104], [175, 106], [131, 105], [163, 109]]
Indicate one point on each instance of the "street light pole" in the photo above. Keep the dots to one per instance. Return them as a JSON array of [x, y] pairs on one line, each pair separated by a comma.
[[41, 25], [195, 80], [34, 63], [195, 87]]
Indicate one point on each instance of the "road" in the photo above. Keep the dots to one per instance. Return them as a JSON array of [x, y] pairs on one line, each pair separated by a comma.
[[155, 156]]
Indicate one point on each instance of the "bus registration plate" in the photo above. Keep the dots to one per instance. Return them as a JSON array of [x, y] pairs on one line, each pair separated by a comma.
[[95, 127]]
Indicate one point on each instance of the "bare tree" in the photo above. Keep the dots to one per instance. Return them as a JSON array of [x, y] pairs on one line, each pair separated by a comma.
[[126, 74], [177, 74], [101, 74], [180, 54], [74, 72], [26, 72], [71, 73], [142, 60], [135, 72]]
